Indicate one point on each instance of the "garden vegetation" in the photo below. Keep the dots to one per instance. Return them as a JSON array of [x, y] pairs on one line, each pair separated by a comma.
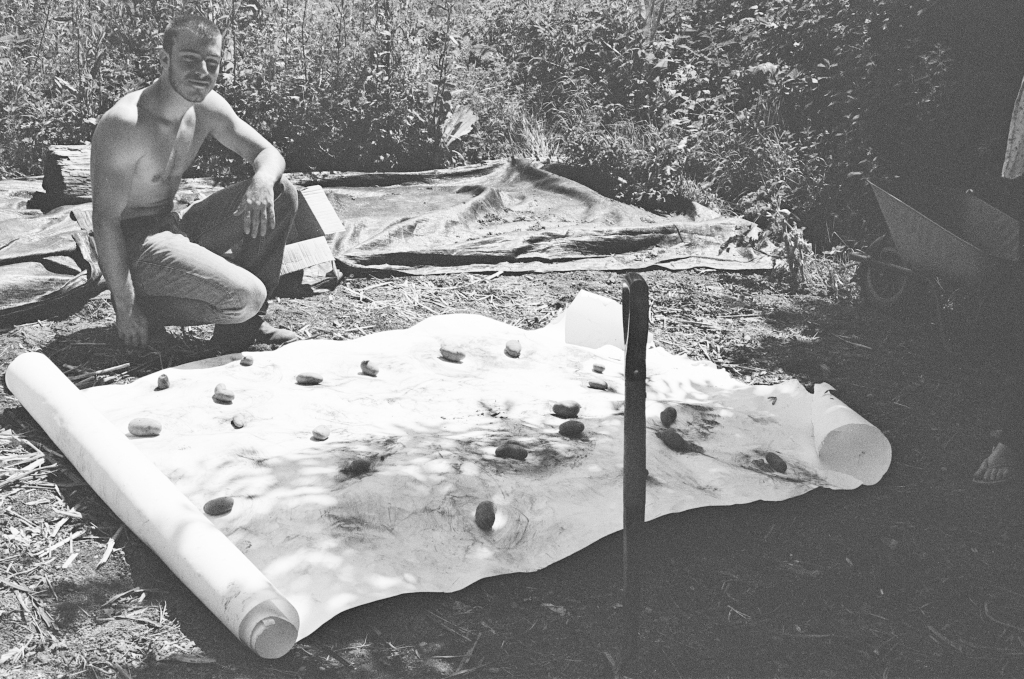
[[773, 111]]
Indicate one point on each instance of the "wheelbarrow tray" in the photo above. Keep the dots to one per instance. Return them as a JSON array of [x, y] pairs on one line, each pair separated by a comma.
[[956, 237]]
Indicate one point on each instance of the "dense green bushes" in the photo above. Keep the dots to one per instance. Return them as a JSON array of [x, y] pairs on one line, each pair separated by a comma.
[[763, 109], [768, 106]]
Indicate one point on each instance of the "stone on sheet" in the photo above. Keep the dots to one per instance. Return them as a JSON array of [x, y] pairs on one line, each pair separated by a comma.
[[240, 420], [566, 409], [511, 450], [485, 515], [321, 432], [668, 416], [675, 441], [513, 348], [144, 426], [452, 352], [369, 368], [162, 382], [571, 429], [776, 462], [219, 505], [309, 378], [223, 395]]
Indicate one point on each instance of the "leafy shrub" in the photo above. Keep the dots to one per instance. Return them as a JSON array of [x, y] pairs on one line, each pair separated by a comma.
[[764, 110], [851, 86]]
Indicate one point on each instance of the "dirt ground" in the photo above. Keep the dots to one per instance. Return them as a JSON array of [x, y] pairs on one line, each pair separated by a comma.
[[917, 576]]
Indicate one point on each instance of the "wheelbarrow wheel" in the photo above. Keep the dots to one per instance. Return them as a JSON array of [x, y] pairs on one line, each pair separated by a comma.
[[883, 287]]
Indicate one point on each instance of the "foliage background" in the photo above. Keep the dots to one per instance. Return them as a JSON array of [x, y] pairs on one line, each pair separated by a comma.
[[774, 110]]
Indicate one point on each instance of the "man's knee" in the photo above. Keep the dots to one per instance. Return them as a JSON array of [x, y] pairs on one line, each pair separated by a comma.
[[245, 301], [286, 202]]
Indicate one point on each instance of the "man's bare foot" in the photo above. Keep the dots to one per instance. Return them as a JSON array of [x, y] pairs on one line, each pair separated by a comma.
[[1001, 465]]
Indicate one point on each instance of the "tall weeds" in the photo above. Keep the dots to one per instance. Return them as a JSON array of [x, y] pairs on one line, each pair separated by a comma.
[[763, 110]]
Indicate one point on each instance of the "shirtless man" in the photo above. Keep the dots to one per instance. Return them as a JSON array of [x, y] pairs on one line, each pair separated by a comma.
[[218, 261]]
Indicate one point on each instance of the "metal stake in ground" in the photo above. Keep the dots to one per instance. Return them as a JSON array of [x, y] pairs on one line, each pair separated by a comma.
[[635, 307]]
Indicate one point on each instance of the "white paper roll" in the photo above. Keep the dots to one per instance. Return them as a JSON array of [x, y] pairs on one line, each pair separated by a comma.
[[149, 504], [846, 442]]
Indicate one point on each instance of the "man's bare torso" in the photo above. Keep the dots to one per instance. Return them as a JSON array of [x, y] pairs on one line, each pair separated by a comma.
[[165, 150]]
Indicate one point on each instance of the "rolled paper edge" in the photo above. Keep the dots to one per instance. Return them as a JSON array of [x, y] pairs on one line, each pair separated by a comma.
[[835, 425], [270, 625], [268, 628], [857, 450]]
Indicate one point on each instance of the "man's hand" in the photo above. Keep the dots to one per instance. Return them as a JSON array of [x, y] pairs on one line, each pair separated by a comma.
[[257, 208], [133, 327]]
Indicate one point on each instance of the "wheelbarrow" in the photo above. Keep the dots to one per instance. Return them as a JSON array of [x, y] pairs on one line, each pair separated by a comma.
[[954, 245]]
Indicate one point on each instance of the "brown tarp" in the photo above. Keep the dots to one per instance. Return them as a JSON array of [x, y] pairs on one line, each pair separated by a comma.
[[514, 216], [46, 261], [509, 216]]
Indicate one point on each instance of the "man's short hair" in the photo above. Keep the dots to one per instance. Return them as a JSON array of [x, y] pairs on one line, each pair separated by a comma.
[[190, 23]]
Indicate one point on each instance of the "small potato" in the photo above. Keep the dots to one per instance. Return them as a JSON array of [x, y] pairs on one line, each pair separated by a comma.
[[219, 505], [309, 379], [776, 462], [566, 409], [571, 429], [675, 441], [162, 382], [221, 394], [321, 433], [240, 420], [485, 515], [369, 368], [246, 360], [513, 348], [668, 416], [599, 368], [511, 450], [597, 384], [452, 353], [144, 426]]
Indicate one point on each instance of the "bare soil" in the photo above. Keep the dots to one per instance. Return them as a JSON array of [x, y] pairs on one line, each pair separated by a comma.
[[917, 576]]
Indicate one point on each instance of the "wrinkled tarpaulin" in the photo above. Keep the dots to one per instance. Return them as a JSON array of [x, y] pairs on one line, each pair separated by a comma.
[[508, 216], [516, 217], [45, 260]]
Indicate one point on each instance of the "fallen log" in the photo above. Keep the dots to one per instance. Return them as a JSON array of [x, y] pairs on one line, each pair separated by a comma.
[[66, 170], [65, 177]]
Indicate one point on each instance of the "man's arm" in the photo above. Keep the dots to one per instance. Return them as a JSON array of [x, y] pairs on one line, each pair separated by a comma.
[[257, 206], [113, 162]]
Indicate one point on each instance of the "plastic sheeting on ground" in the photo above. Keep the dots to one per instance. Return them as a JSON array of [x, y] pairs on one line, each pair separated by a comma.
[[45, 261], [386, 504], [516, 217], [504, 216]]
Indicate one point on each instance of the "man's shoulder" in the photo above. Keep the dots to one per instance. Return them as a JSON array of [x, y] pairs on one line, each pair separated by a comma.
[[118, 134], [123, 115], [214, 105]]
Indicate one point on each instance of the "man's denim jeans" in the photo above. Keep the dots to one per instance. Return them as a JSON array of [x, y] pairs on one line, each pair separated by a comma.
[[200, 267]]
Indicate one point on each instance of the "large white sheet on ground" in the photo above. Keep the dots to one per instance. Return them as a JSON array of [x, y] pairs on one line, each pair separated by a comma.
[[331, 538]]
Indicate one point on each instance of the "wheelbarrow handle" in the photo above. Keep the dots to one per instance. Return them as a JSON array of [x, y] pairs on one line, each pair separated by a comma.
[[873, 261], [635, 322]]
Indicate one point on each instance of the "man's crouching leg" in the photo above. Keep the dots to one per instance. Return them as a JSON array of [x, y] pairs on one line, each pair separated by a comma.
[[212, 224]]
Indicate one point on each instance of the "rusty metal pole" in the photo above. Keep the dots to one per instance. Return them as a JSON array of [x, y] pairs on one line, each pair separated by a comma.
[[635, 308]]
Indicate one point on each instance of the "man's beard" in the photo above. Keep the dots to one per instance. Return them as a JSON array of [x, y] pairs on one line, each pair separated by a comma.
[[185, 88]]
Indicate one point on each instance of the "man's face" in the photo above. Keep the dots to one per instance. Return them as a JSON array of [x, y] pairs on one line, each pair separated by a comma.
[[193, 65]]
